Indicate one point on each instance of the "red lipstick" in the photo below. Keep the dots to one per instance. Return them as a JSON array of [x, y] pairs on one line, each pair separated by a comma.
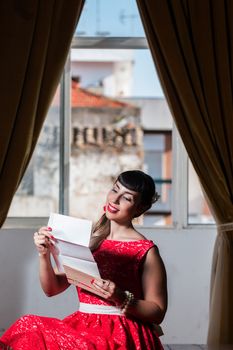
[[112, 209]]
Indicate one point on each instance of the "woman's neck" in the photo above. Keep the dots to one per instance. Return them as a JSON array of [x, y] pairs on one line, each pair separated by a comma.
[[117, 230]]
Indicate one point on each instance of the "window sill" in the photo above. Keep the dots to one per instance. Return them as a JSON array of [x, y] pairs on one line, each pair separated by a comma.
[[34, 223], [24, 222]]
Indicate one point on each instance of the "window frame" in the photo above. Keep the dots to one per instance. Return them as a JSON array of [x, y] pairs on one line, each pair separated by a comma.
[[152, 211], [179, 154]]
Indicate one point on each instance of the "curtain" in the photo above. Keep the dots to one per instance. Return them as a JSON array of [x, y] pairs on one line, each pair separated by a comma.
[[192, 46], [35, 39]]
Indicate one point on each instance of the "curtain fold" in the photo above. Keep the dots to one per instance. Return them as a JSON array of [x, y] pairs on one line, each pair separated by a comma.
[[192, 46], [35, 39]]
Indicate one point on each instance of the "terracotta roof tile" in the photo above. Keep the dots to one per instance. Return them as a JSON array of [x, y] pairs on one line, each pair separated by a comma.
[[83, 98]]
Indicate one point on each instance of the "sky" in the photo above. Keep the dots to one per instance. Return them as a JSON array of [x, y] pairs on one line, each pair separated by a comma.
[[121, 18]]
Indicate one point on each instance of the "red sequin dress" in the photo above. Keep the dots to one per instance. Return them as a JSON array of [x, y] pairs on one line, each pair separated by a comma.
[[118, 261]]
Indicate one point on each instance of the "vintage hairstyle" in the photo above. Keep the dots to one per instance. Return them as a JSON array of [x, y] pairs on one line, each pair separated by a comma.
[[135, 180]]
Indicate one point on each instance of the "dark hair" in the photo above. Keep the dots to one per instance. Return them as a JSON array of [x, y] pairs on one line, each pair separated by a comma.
[[134, 180], [138, 181]]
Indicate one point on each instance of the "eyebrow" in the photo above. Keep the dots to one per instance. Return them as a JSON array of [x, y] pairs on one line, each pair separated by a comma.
[[132, 194]]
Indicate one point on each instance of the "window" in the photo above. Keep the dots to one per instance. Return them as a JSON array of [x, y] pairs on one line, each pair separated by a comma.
[[96, 21], [198, 210], [117, 118], [158, 164], [38, 193], [112, 123]]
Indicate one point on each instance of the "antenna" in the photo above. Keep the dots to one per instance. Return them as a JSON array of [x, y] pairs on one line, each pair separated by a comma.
[[131, 17]]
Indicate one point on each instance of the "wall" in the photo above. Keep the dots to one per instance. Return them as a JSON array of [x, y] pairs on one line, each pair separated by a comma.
[[187, 256], [155, 114]]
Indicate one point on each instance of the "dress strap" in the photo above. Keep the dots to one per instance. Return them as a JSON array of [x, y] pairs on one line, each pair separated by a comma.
[[143, 249]]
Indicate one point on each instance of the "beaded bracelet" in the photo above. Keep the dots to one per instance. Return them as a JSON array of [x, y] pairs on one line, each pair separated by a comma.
[[129, 297]]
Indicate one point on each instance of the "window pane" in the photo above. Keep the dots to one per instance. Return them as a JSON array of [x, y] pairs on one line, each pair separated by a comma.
[[110, 18], [198, 210], [118, 124], [158, 164], [38, 192]]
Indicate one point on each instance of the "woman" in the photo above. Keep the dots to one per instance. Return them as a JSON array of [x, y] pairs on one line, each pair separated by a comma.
[[133, 284]]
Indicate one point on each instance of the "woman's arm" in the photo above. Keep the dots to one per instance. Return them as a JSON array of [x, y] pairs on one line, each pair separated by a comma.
[[154, 282], [52, 282]]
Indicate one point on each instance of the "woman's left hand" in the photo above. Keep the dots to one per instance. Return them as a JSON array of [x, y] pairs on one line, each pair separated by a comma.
[[109, 290]]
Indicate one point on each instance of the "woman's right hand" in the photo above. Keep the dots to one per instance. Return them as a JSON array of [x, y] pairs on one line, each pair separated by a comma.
[[52, 282], [42, 240]]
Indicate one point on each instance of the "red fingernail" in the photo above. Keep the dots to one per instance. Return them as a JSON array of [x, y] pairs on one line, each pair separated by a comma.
[[52, 237], [49, 228], [92, 281]]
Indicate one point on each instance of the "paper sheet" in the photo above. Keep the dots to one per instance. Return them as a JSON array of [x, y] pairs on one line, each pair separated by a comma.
[[72, 236], [71, 229]]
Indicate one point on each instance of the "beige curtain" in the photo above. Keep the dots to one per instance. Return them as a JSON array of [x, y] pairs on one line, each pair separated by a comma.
[[35, 37], [192, 46]]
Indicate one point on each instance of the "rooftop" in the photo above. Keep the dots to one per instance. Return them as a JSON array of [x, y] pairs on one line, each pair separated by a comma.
[[84, 98]]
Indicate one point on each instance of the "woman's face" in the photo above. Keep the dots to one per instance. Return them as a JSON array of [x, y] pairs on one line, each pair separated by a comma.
[[122, 204]]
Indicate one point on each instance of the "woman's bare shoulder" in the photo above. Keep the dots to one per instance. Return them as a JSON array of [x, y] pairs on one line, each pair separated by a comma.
[[137, 235]]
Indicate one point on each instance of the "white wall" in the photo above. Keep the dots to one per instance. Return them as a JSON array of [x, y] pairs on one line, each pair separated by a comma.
[[187, 255], [155, 113]]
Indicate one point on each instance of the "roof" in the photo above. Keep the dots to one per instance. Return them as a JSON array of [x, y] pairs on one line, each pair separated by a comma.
[[84, 98]]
